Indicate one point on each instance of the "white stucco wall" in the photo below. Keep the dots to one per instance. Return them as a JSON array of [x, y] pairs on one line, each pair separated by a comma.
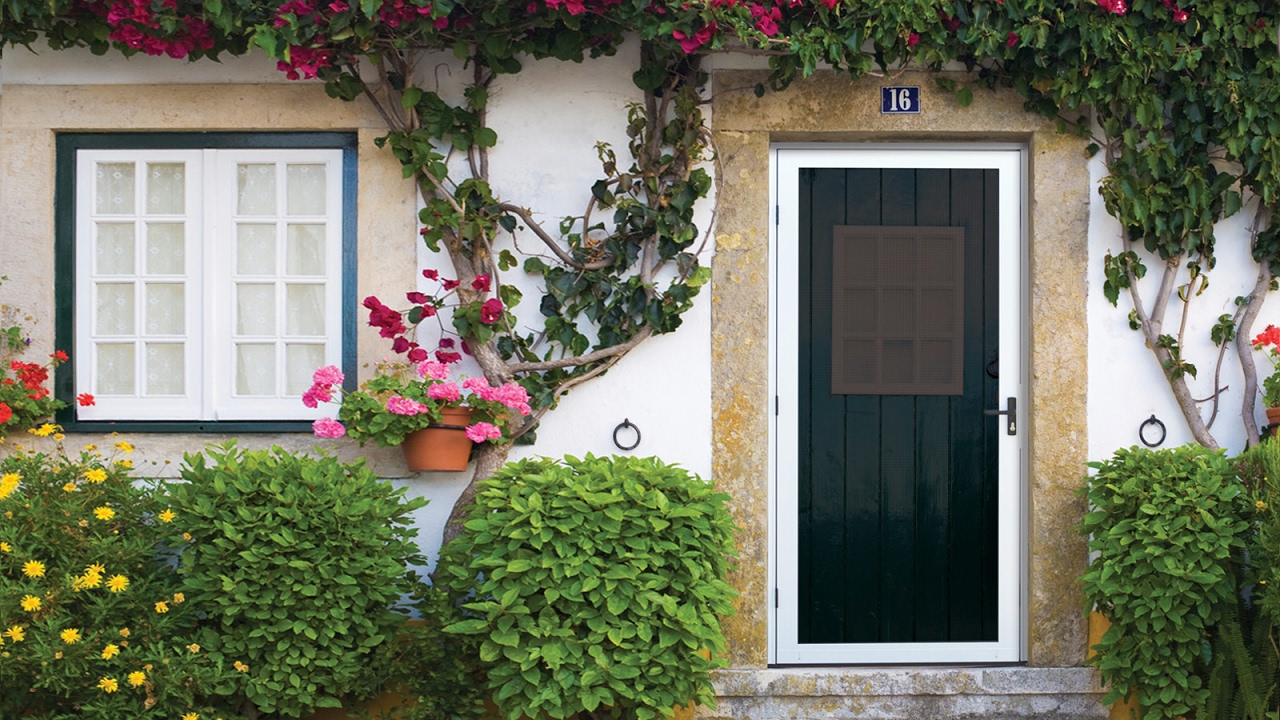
[[548, 119], [1126, 385]]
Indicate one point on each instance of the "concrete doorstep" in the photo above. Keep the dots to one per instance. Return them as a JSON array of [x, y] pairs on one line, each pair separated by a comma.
[[842, 693]]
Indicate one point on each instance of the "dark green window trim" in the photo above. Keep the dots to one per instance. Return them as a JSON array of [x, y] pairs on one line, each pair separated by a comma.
[[64, 261]]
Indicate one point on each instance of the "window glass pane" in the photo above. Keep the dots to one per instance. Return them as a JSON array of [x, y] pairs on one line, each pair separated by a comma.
[[304, 310], [256, 189], [255, 309], [166, 189], [305, 189], [115, 370], [256, 249], [114, 251], [300, 363], [115, 189], [165, 309], [165, 248], [165, 373], [115, 309], [304, 250], [256, 370]]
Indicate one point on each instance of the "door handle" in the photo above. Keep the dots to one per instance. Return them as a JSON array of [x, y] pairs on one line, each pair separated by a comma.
[[1010, 413]]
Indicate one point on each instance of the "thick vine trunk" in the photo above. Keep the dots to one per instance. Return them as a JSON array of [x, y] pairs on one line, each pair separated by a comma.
[[1244, 348], [489, 458]]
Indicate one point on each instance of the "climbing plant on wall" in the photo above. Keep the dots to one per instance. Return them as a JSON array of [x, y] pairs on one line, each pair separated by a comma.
[[1184, 96]]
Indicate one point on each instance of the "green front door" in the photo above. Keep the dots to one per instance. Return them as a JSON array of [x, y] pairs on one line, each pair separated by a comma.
[[897, 500]]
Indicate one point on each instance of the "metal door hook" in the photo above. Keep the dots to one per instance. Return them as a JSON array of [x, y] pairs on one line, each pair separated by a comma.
[[623, 426], [1142, 431]]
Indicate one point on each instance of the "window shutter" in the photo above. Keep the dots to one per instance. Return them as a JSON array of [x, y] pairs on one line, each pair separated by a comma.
[[897, 320]]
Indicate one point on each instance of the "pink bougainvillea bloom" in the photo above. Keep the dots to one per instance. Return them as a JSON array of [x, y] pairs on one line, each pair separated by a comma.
[[328, 428], [433, 370], [766, 19], [338, 6], [450, 284], [1180, 15], [1013, 39], [448, 357], [952, 24], [431, 274], [448, 392], [482, 431], [688, 43], [831, 4], [913, 39], [328, 375], [490, 311], [1117, 7], [417, 298], [481, 283], [418, 355]]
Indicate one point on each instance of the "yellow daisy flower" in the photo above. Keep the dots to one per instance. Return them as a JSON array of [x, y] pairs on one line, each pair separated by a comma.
[[186, 536], [193, 647], [95, 475], [95, 569], [167, 515], [69, 487], [47, 429], [136, 678], [102, 512], [124, 463], [59, 437], [6, 547], [33, 568], [1260, 505], [117, 583], [124, 632], [108, 685], [90, 447], [110, 651], [70, 636], [162, 607], [16, 633], [30, 603], [91, 580], [240, 667], [179, 598], [191, 716], [122, 445], [8, 483]]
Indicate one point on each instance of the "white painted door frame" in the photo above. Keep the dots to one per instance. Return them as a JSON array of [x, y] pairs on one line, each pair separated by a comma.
[[786, 160]]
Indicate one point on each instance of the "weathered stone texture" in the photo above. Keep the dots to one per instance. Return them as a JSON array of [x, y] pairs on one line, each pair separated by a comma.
[[909, 694], [832, 108]]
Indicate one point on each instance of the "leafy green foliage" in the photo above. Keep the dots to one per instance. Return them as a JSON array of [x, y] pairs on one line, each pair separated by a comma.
[[597, 585], [1163, 525], [82, 580], [299, 563]]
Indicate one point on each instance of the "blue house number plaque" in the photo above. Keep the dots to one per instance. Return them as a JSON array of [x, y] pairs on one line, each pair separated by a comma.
[[899, 100]]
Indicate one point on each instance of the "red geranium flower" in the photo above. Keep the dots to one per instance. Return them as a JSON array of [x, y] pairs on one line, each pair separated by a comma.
[[5, 413], [85, 399]]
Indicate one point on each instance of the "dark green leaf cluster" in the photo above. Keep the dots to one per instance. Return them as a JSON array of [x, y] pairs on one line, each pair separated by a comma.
[[597, 585], [300, 563], [1163, 525]]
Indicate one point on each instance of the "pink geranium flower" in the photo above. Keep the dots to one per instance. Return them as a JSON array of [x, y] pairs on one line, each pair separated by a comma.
[[328, 428], [483, 431], [448, 392]]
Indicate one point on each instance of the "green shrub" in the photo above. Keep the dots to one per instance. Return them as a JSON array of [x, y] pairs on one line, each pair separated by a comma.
[[597, 586], [300, 563], [93, 622], [1163, 525]]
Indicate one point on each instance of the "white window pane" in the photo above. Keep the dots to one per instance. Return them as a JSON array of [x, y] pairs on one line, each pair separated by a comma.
[[256, 370], [166, 189], [165, 308], [255, 309], [256, 249], [115, 189], [305, 188], [300, 363], [166, 245], [165, 375], [304, 250], [256, 189], [115, 309], [114, 251], [115, 370], [304, 310]]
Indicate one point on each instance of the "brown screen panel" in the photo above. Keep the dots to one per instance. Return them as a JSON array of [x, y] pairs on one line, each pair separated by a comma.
[[896, 298]]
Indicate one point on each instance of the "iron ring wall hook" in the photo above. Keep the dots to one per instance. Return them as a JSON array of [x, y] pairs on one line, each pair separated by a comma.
[[1142, 431], [626, 423]]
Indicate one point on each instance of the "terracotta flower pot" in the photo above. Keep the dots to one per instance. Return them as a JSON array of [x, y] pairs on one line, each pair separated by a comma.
[[1273, 418], [443, 447]]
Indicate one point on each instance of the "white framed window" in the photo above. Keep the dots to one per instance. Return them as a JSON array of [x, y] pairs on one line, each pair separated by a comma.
[[208, 281]]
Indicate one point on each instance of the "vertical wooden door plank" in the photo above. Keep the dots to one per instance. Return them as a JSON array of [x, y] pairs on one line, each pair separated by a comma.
[[897, 457], [933, 462], [862, 459], [991, 431], [967, 421], [828, 586]]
